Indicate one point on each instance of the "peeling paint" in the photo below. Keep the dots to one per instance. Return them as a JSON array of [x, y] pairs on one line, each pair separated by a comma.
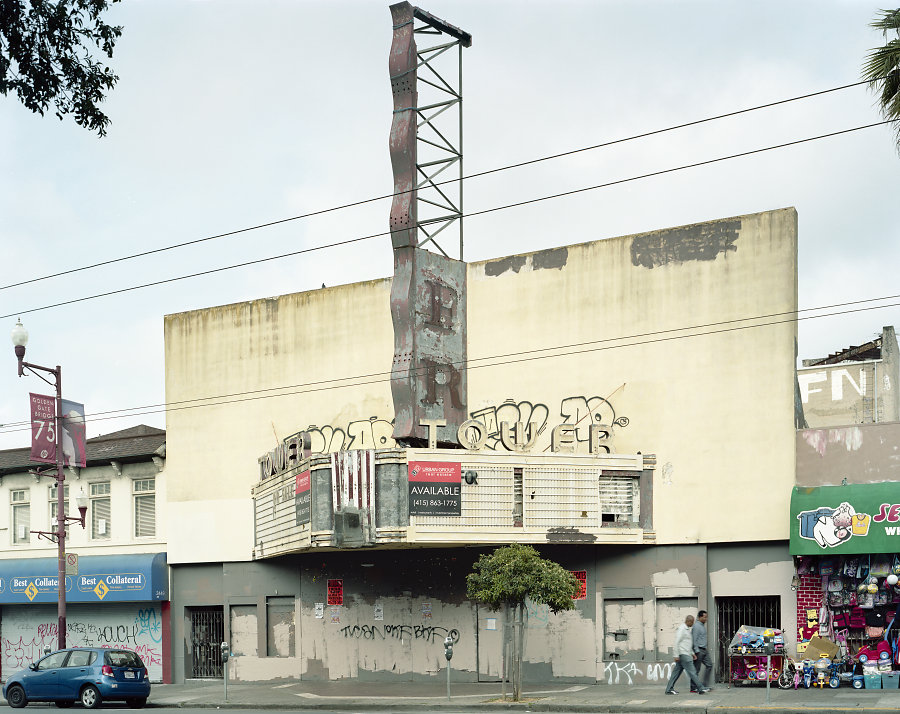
[[498, 267], [705, 241], [554, 259], [569, 534], [670, 578]]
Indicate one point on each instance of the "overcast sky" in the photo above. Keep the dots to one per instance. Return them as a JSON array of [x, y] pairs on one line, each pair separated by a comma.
[[233, 114]]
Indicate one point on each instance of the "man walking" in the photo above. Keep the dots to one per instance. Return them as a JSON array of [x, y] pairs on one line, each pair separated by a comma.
[[684, 658], [701, 653]]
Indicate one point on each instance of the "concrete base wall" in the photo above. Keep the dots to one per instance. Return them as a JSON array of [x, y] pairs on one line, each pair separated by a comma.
[[383, 615]]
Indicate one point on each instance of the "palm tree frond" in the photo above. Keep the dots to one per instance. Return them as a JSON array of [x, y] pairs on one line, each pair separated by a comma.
[[881, 68], [889, 20]]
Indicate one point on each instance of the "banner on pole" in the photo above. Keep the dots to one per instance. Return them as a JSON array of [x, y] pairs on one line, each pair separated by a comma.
[[43, 428], [73, 439]]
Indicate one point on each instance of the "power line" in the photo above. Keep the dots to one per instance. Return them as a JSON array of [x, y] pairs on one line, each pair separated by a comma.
[[487, 172], [523, 356], [468, 215]]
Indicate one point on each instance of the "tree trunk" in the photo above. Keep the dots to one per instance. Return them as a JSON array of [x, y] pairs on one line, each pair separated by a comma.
[[520, 648], [504, 673]]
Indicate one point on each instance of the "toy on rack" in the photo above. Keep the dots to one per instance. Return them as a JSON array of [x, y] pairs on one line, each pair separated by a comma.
[[880, 652], [757, 640]]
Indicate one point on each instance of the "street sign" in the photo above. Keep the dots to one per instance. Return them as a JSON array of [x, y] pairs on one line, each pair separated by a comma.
[[71, 563]]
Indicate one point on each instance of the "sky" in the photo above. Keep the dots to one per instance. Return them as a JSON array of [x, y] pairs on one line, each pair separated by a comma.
[[230, 114]]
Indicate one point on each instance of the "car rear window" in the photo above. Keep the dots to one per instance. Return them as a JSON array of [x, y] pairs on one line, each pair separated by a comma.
[[122, 658]]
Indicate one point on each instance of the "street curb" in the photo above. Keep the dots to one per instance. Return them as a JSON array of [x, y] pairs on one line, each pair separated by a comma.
[[600, 708]]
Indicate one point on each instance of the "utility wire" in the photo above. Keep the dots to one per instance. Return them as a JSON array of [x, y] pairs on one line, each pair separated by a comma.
[[487, 172], [124, 411], [523, 356], [468, 215]]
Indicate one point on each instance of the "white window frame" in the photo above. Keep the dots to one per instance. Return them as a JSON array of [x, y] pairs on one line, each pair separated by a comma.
[[144, 492], [20, 503], [101, 510]]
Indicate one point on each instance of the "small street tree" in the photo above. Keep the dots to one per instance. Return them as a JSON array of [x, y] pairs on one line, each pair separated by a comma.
[[882, 67], [46, 57], [505, 578]]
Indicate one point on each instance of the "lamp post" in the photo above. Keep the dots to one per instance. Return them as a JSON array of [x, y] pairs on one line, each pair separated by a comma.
[[19, 339]]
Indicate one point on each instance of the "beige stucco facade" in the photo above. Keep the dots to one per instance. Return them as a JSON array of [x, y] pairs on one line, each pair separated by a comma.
[[665, 335]]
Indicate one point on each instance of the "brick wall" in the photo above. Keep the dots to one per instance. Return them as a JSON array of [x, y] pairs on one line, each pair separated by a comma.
[[809, 597]]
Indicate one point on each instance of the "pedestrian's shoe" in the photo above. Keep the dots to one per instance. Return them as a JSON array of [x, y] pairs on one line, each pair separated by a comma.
[[671, 691], [706, 689], [702, 691]]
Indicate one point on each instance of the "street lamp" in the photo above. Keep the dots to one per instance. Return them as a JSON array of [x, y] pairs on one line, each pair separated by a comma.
[[19, 339]]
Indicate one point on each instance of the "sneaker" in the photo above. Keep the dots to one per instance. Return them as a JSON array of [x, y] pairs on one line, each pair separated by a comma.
[[671, 691], [702, 691], [707, 689]]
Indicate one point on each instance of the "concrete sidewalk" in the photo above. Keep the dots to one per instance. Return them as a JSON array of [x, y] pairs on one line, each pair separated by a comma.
[[408, 696]]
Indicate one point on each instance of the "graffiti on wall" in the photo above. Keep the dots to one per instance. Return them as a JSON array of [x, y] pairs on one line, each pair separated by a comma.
[[372, 433], [579, 411], [428, 633], [636, 673], [537, 615], [25, 637]]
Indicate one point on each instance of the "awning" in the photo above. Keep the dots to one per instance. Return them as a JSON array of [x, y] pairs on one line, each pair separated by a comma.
[[101, 578], [858, 518]]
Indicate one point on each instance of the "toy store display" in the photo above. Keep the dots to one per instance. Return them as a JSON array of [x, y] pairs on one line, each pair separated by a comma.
[[756, 654], [857, 627]]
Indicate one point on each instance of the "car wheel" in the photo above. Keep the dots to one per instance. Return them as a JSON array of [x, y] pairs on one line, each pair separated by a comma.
[[15, 696], [90, 697], [64, 704], [136, 703]]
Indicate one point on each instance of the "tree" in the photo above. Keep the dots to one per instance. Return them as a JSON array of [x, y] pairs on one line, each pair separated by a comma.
[[882, 67], [46, 57], [505, 578]]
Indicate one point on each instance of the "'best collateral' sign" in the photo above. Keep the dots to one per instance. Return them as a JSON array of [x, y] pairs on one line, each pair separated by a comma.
[[434, 489]]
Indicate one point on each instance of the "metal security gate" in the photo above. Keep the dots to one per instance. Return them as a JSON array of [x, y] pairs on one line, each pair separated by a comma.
[[207, 634], [732, 612]]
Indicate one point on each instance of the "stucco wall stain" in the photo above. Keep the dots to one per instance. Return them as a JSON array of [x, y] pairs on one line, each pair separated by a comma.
[[554, 259], [498, 267], [315, 669], [677, 245], [851, 438], [670, 578], [569, 535]]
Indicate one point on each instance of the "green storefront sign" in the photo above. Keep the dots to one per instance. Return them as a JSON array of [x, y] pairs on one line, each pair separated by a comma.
[[846, 519]]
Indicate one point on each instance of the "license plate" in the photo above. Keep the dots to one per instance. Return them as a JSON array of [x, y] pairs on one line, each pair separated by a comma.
[[129, 675]]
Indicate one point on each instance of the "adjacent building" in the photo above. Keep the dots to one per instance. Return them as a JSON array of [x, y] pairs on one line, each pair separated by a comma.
[[855, 385], [117, 584]]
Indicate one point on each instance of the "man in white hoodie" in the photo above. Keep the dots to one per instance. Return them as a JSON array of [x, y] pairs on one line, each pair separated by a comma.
[[684, 658]]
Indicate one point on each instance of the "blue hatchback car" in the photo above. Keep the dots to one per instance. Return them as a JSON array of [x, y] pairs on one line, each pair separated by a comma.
[[88, 675]]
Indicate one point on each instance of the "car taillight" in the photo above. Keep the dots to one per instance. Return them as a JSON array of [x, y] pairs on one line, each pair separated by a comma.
[[144, 673], [106, 671]]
